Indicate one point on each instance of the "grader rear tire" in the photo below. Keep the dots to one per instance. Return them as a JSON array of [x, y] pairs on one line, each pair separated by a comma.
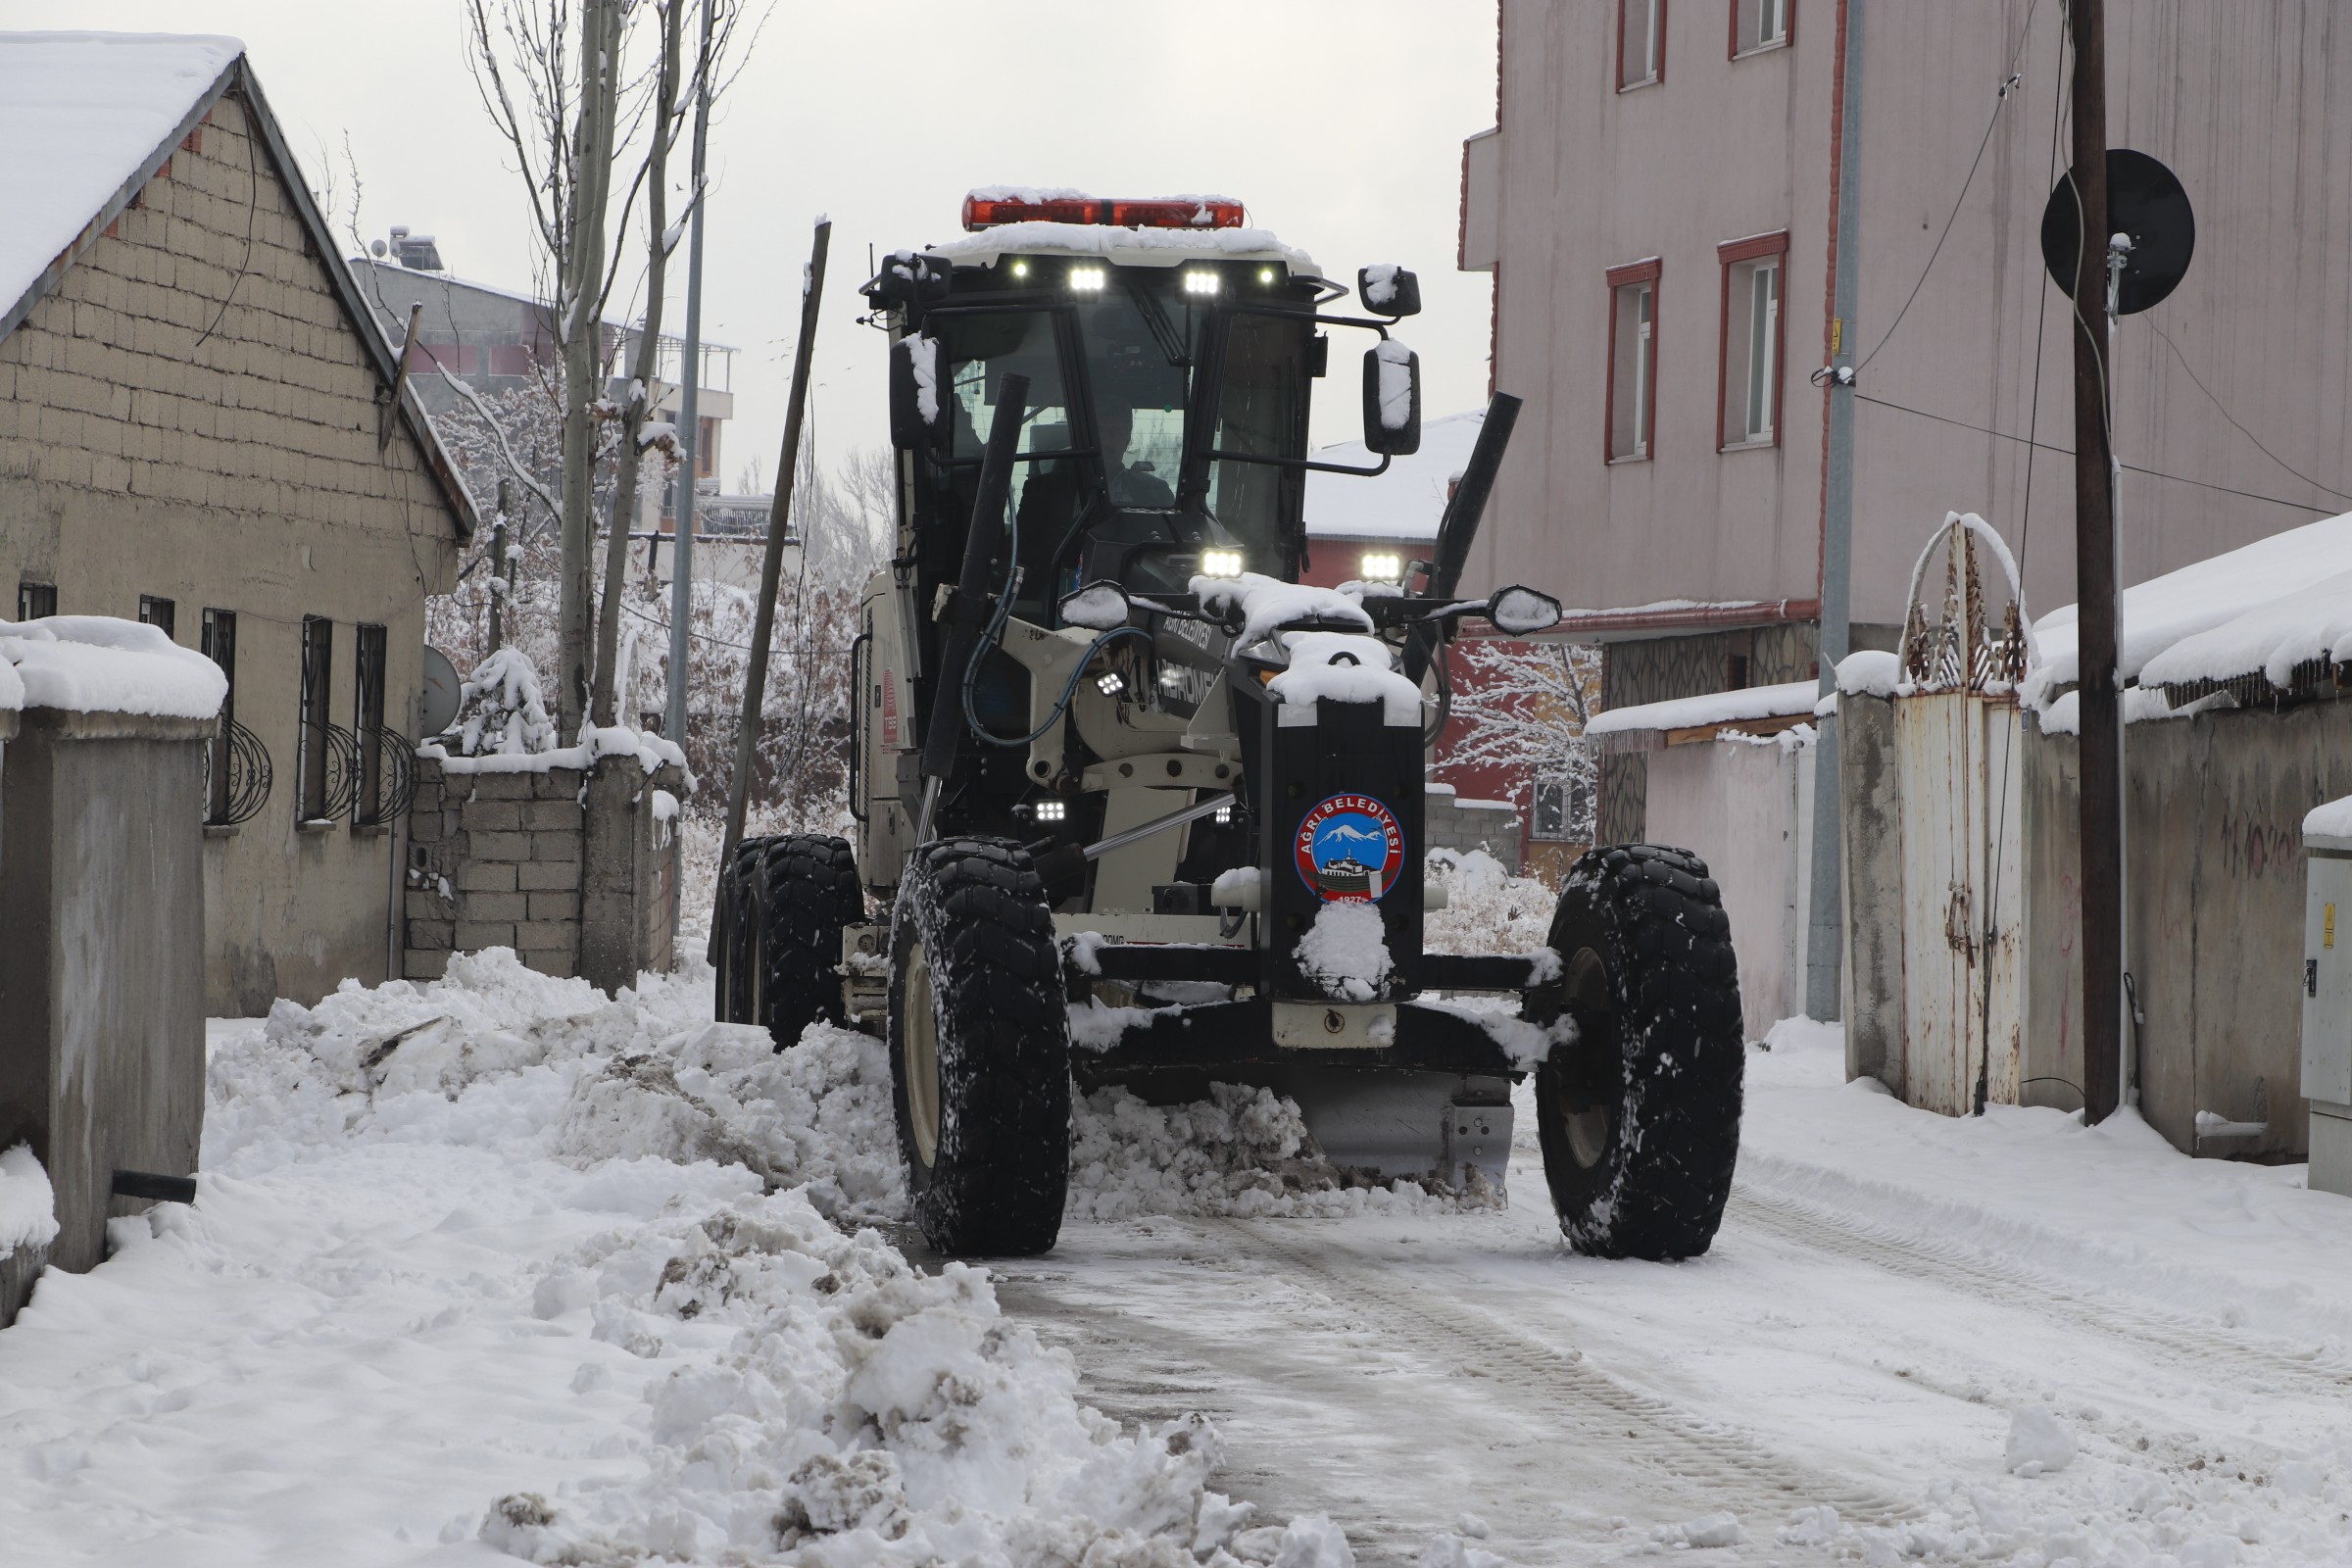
[[980, 1051], [1639, 1116], [785, 899]]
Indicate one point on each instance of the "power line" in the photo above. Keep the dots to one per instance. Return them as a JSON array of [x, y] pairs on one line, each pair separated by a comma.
[[2239, 428], [2068, 452]]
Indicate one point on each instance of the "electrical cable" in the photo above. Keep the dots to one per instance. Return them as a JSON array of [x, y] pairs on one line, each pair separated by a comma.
[[2239, 428], [2009, 81], [2024, 530], [2068, 452]]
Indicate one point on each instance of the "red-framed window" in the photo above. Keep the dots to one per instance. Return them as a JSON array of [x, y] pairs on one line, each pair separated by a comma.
[[1758, 26], [1630, 425], [1751, 353], [1640, 43]]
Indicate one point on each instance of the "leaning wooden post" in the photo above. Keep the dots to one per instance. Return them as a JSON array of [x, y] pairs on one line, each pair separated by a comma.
[[772, 568]]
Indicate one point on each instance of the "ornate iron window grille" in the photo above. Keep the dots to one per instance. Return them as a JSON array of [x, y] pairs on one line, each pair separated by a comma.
[[395, 778], [342, 772], [237, 775]]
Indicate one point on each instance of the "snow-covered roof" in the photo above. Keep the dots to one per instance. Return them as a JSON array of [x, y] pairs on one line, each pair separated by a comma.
[[1405, 502], [1125, 246], [1748, 704], [99, 664], [2230, 614], [85, 116]]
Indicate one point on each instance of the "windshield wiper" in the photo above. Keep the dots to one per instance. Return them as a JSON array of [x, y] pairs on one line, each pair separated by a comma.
[[1155, 317]]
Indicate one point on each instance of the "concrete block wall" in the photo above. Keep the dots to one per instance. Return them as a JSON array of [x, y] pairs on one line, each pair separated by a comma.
[[503, 860], [1451, 823], [102, 972]]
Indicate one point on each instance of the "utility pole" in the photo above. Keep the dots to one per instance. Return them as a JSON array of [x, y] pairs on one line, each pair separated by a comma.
[[2098, 679], [1825, 935], [690, 439]]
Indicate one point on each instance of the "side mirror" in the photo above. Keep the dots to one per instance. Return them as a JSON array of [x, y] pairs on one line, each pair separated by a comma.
[[1097, 607], [1389, 291], [1392, 399], [910, 277], [917, 404], [1523, 610]]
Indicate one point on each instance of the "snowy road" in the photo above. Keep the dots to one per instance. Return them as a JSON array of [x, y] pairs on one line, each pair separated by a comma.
[[500, 1269], [1887, 1288]]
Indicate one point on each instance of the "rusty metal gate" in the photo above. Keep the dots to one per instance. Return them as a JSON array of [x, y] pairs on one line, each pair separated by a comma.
[[1959, 746]]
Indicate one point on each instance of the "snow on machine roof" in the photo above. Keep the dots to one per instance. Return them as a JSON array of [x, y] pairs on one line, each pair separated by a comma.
[[1159, 231]]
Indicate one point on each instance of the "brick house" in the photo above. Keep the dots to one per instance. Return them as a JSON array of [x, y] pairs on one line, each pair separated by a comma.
[[202, 427]]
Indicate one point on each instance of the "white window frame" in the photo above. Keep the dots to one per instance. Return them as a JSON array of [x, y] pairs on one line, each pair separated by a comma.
[[1753, 344], [1650, 14], [1749, 19], [1633, 353]]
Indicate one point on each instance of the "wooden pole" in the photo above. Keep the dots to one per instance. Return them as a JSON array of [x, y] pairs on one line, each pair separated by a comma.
[[771, 567], [2099, 684]]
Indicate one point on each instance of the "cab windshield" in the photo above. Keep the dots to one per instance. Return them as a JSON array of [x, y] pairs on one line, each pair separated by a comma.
[[1101, 490]]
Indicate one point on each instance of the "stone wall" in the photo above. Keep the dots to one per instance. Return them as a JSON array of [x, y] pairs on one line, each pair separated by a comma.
[[511, 860]]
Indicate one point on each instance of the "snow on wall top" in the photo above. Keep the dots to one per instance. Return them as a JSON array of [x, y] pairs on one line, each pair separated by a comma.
[[81, 112], [1405, 502], [1715, 708], [27, 1205], [1126, 247], [99, 664], [2253, 585], [2329, 826]]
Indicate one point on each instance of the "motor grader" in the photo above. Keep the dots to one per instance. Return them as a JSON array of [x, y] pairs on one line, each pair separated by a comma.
[[1133, 805]]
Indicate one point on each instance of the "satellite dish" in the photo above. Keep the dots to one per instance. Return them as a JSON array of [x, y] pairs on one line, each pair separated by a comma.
[[2146, 201], [438, 708]]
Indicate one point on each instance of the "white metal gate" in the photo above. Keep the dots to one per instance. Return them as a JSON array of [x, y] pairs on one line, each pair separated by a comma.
[[1959, 750]]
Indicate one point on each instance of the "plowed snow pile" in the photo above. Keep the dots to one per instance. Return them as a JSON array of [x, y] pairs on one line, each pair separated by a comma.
[[499, 1262]]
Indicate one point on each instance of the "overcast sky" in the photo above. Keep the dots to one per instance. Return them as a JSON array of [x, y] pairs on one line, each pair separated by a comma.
[[1340, 125]]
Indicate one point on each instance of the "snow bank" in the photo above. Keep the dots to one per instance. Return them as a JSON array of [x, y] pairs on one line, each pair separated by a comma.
[[2208, 594], [2314, 623], [858, 1410], [99, 664], [27, 1205], [85, 110], [1487, 909], [1715, 708]]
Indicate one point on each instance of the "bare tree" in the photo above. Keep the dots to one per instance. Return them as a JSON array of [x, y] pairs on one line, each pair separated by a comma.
[[1523, 707], [638, 401]]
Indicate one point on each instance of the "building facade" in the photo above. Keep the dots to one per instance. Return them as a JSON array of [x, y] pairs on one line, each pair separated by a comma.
[[1657, 204], [197, 429]]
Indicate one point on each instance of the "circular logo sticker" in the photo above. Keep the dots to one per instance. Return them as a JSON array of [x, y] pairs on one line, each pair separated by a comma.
[[1349, 849]]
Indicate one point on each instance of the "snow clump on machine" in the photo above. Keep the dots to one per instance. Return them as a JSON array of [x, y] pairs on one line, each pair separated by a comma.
[[1345, 951]]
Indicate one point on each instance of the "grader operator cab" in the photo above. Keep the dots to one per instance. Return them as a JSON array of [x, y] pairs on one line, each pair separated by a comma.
[[1133, 805]]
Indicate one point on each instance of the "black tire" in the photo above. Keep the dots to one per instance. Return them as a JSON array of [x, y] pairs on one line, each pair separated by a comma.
[[807, 891], [1640, 1115], [980, 1051]]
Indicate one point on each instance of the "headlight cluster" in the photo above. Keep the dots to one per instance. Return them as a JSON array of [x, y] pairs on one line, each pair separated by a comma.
[[1221, 563], [1381, 565]]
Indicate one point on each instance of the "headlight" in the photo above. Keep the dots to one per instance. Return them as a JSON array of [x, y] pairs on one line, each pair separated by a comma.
[[1087, 279], [1050, 810], [1199, 283], [1221, 563], [1110, 683], [1381, 565]]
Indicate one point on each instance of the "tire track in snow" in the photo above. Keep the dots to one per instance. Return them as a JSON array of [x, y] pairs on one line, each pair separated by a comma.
[[1955, 1266], [1733, 1469]]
